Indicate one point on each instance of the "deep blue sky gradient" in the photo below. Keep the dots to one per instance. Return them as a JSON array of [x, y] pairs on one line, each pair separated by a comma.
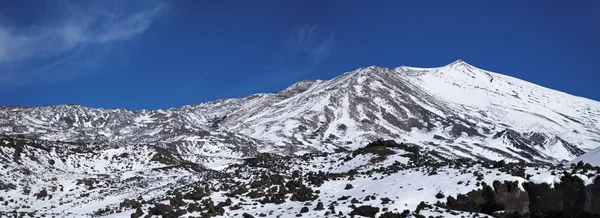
[[196, 51]]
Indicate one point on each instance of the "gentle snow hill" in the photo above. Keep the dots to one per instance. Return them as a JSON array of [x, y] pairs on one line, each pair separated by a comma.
[[592, 157]]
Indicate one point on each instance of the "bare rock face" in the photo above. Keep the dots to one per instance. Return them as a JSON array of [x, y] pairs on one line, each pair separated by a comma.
[[509, 196], [569, 198]]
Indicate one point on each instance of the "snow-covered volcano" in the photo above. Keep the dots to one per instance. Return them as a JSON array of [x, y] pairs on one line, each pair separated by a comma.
[[454, 126], [458, 109]]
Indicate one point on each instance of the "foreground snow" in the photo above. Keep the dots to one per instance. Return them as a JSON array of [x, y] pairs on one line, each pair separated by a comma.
[[396, 179]]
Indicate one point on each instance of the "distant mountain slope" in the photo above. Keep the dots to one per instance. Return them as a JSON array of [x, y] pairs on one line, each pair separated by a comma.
[[458, 109], [216, 158]]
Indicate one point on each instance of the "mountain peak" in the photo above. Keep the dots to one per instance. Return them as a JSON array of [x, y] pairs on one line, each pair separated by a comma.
[[459, 63], [298, 87], [462, 67], [367, 68]]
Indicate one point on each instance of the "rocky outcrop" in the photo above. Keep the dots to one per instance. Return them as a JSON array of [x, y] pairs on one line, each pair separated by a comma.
[[505, 197], [569, 198]]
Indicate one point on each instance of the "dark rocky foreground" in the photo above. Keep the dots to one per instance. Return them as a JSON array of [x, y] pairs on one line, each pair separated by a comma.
[[270, 180], [569, 198], [271, 185]]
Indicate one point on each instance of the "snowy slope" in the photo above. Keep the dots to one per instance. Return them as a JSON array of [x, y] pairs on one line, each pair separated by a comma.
[[459, 109], [511, 101], [592, 157], [492, 115]]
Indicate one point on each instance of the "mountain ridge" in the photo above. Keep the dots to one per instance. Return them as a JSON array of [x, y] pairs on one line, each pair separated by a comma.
[[369, 102], [304, 80], [450, 131]]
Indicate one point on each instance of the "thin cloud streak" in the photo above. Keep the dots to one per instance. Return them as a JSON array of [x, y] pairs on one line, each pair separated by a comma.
[[74, 31], [304, 50]]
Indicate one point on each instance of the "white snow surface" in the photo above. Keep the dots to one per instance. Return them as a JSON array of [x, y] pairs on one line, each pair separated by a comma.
[[592, 157]]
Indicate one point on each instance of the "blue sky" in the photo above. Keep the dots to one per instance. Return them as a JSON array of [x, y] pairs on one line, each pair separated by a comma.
[[160, 54]]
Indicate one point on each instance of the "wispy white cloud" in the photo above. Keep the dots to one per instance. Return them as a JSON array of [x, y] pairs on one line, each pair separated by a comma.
[[304, 49], [301, 53], [69, 35]]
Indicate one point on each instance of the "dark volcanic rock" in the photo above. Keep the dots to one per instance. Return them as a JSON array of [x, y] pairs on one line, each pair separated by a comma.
[[569, 198], [439, 195], [365, 210], [164, 210], [320, 206], [390, 215], [304, 210], [502, 197], [348, 186]]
